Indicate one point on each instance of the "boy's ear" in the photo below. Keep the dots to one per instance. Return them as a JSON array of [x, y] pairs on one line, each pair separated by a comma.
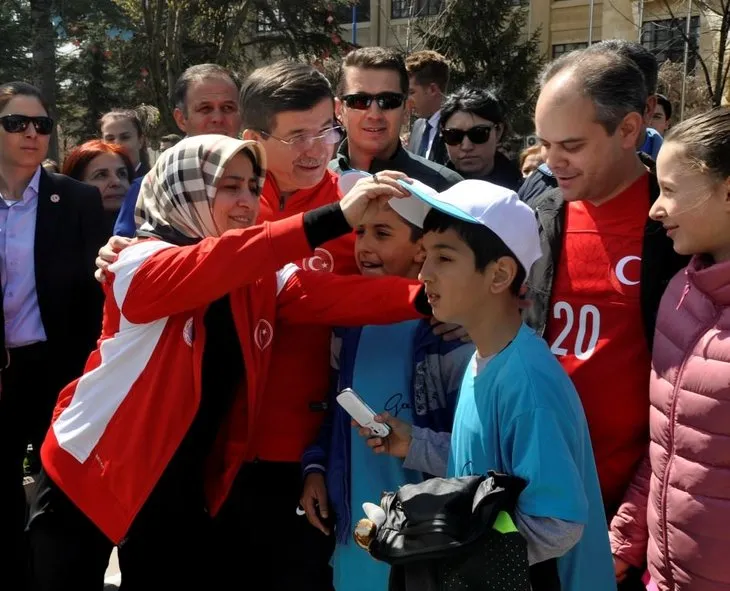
[[504, 272], [727, 191], [420, 257]]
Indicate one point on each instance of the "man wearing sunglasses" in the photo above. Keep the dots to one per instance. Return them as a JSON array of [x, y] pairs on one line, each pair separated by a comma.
[[371, 106], [472, 124]]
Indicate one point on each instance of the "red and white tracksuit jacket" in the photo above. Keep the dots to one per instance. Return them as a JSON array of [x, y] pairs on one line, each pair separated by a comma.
[[300, 365], [116, 428]]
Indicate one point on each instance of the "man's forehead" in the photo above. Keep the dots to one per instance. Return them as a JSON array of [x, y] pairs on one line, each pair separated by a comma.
[[373, 80], [218, 88], [321, 116], [563, 114]]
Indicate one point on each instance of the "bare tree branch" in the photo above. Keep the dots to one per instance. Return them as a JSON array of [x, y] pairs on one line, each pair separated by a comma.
[[693, 50]]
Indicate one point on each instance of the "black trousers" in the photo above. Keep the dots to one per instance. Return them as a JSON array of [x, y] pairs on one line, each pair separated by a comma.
[[167, 547], [26, 404], [259, 526]]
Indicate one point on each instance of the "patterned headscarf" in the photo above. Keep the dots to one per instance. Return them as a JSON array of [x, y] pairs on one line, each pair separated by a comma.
[[175, 201]]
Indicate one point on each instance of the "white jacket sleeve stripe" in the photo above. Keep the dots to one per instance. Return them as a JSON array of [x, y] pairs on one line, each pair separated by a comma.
[[130, 259], [101, 391]]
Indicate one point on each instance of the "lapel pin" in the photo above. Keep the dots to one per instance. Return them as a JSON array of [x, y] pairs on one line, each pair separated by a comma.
[[55, 198]]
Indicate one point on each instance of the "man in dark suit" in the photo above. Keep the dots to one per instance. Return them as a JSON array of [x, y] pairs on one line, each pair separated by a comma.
[[428, 75], [43, 345]]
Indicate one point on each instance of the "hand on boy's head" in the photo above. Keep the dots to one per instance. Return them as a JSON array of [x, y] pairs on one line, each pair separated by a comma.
[[396, 444], [362, 202], [109, 253], [450, 332]]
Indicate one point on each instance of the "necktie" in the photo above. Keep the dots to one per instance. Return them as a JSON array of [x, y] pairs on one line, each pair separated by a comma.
[[423, 148]]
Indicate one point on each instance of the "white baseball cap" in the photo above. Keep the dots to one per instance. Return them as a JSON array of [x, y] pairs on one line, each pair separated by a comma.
[[495, 207], [409, 208]]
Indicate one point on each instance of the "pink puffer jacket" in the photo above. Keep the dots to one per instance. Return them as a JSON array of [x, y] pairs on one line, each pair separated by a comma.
[[681, 495]]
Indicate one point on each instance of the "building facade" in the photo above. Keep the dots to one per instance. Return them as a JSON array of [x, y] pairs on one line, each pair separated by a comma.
[[564, 25]]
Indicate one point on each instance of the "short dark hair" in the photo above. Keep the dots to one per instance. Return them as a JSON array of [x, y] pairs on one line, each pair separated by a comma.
[[284, 86], [644, 59], [666, 105], [485, 244], [10, 90], [374, 58], [611, 81], [428, 67], [482, 102], [195, 74], [706, 141]]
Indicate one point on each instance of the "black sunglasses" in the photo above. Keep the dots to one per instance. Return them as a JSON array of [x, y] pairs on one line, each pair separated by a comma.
[[19, 123], [478, 134], [387, 101]]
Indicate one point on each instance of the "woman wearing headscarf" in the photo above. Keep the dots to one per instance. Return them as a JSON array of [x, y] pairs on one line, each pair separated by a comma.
[[145, 445]]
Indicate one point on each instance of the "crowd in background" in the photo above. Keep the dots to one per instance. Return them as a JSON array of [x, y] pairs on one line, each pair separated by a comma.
[[559, 318]]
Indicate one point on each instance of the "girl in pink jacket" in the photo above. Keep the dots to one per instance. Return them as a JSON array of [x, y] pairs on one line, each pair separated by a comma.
[[676, 514]]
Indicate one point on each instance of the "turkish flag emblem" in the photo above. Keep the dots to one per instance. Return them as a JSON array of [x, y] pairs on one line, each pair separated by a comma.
[[322, 260], [263, 334]]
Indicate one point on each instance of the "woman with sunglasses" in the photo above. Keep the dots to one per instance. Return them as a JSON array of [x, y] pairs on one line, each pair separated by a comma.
[[50, 230], [472, 125]]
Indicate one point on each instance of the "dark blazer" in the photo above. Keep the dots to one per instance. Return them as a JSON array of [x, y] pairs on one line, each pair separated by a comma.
[[438, 149], [141, 171], [69, 233]]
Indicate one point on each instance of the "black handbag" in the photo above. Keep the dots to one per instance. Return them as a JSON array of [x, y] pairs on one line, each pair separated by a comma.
[[452, 534]]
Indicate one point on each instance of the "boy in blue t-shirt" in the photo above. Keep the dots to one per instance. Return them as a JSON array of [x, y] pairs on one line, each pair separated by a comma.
[[404, 370], [517, 411]]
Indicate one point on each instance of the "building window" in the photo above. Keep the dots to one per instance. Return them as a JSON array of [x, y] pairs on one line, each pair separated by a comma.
[[666, 39], [415, 8], [343, 12], [562, 48]]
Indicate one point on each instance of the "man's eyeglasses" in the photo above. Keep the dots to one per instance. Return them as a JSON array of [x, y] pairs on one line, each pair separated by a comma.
[[478, 134], [386, 101], [19, 123], [305, 141]]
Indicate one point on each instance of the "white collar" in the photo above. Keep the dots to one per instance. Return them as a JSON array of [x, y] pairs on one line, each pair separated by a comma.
[[33, 187], [434, 119]]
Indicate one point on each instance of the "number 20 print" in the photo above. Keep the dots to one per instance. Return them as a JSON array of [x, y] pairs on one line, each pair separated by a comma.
[[587, 337]]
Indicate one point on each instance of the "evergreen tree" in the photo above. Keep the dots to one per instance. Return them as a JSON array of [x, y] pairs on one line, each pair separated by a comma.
[[486, 44], [15, 62]]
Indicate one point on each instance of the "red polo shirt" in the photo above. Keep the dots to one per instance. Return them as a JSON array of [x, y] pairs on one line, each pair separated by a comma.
[[596, 330]]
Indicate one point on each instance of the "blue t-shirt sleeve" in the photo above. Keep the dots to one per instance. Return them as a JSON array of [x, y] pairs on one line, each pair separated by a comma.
[[125, 225], [652, 143], [538, 451]]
